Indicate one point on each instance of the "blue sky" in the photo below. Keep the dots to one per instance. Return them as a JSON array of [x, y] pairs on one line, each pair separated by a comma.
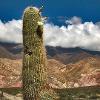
[[88, 10], [71, 23]]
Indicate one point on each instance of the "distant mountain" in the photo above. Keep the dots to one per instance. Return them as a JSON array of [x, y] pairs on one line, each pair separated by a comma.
[[70, 55], [10, 50], [14, 48], [4, 53], [64, 55]]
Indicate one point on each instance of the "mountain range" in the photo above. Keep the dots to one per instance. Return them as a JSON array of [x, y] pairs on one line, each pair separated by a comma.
[[67, 67]]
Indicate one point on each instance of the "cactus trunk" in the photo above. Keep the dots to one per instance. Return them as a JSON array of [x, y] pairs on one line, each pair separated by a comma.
[[34, 59]]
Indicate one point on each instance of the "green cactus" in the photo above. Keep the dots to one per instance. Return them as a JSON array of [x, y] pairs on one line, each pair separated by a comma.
[[34, 74]]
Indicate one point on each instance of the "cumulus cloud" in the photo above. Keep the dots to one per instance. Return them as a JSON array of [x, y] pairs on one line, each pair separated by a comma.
[[85, 35], [11, 31], [74, 20], [76, 34]]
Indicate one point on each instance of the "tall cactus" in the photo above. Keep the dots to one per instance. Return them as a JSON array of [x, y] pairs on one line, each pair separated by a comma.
[[34, 60]]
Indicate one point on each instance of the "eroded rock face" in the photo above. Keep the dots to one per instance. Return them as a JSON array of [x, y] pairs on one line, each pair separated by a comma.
[[83, 73]]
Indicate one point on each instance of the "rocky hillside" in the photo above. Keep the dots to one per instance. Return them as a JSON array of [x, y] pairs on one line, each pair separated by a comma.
[[83, 73], [10, 72], [67, 67]]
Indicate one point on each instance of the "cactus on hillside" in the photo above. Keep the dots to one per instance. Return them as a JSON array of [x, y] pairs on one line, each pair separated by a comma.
[[34, 58]]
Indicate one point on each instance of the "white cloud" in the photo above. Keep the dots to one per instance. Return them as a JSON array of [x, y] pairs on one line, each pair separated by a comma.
[[85, 35], [11, 31], [74, 20]]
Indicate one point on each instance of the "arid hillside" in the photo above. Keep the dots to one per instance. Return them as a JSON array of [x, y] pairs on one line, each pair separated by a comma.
[[67, 67]]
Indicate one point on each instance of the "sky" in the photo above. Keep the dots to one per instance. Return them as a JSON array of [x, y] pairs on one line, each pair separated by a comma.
[[88, 10], [71, 23]]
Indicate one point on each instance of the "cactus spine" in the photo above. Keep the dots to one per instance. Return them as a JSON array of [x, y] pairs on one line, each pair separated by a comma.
[[34, 60]]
